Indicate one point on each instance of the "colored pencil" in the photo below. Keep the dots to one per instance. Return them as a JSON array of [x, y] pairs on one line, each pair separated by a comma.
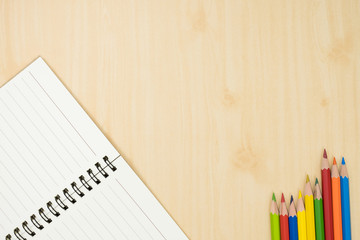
[[345, 201], [274, 219], [284, 220], [301, 217], [336, 198], [293, 228], [327, 195], [318, 210], [309, 206]]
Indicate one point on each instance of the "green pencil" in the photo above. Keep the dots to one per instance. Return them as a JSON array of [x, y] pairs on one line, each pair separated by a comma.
[[274, 219], [319, 214]]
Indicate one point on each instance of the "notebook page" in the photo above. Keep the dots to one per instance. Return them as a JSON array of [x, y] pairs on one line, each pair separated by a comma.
[[46, 142], [112, 213], [42, 149], [108, 213]]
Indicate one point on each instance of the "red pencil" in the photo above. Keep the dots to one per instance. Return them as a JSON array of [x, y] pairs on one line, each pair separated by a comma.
[[326, 187], [284, 220]]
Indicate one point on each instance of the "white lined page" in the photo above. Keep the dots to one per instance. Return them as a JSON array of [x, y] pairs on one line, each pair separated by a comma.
[[107, 208], [46, 141]]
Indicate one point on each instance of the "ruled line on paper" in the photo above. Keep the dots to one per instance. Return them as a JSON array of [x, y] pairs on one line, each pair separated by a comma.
[[72, 233], [122, 202], [87, 221], [107, 229], [5, 215], [17, 166], [62, 113], [32, 138], [21, 172], [59, 234], [47, 125], [27, 147], [55, 119], [44, 137], [77, 224], [49, 236], [132, 229], [20, 185], [141, 209], [12, 192], [9, 204]]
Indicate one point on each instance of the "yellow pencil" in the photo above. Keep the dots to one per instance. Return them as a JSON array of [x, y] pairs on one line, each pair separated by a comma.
[[309, 206], [301, 218]]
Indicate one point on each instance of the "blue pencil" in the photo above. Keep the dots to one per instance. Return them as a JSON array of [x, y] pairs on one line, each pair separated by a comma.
[[345, 201], [293, 227]]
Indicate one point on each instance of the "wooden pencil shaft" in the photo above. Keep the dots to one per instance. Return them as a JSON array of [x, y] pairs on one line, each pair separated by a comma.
[[310, 221], [327, 203], [319, 219], [336, 198], [293, 228], [345, 208], [275, 226], [301, 225], [284, 227]]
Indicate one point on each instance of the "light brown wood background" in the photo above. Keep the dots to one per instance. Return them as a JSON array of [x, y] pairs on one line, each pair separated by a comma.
[[215, 104]]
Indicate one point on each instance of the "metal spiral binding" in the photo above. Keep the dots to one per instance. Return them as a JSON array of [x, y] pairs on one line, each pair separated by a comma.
[[76, 189], [101, 170], [18, 235], [35, 222], [44, 216], [109, 164], [93, 177], [61, 203], [85, 183], [68, 196], [52, 210], [27, 229]]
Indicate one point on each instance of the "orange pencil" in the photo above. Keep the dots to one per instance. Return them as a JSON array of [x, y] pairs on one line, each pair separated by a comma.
[[336, 200]]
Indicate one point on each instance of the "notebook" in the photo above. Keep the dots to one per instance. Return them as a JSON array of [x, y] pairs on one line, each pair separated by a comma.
[[60, 178]]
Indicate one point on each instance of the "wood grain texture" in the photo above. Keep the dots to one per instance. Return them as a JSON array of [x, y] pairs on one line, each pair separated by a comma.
[[206, 100]]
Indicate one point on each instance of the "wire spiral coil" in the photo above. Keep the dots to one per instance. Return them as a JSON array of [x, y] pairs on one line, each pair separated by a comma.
[[47, 217]]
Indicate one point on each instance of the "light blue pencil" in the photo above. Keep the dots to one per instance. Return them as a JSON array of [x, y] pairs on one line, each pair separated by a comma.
[[345, 201]]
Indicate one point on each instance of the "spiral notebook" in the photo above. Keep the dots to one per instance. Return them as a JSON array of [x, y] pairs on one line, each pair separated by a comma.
[[60, 178]]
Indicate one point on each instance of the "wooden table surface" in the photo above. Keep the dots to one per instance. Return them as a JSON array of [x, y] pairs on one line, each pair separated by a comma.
[[215, 104]]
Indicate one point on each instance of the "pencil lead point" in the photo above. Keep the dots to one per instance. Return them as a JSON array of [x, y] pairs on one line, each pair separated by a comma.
[[307, 178], [282, 198], [291, 199], [343, 161], [300, 196], [334, 161], [316, 181], [324, 154], [273, 197]]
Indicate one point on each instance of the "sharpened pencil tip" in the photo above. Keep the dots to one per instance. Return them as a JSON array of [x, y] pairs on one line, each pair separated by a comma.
[[273, 197], [316, 181], [324, 154], [307, 178], [300, 196], [334, 161], [291, 199], [282, 197], [343, 161]]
